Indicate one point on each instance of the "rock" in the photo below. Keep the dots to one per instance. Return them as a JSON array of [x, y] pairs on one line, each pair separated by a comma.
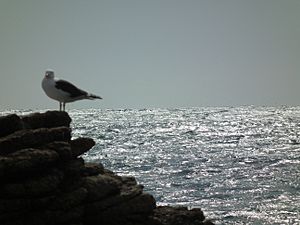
[[24, 204], [67, 201], [178, 216], [101, 186], [73, 178], [49, 217], [74, 167], [10, 124], [125, 212], [12, 205], [208, 222], [33, 138], [92, 169], [26, 161], [44, 181], [33, 187], [128, 181], [141, 204], [62, 148], [81, 145], [48, 119], [126, 193]]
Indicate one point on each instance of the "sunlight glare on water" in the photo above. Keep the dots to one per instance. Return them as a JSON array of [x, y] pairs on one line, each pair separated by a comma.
[[240, 165]]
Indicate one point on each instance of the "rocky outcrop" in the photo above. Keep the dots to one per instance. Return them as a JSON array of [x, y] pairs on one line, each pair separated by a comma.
[[44, 181]]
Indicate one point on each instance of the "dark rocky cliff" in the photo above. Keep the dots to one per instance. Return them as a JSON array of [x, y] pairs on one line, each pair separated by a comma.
[[44, 181]]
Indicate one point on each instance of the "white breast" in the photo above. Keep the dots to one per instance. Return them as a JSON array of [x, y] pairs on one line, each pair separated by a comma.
[[51, 91]]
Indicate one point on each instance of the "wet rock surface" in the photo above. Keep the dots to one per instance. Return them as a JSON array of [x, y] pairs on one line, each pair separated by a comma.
[[44, 181]]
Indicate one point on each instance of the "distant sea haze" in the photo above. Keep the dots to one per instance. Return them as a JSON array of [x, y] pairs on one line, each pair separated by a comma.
[[240, 165]]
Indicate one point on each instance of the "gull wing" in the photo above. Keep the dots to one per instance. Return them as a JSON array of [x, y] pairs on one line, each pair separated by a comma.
[[70, 88]]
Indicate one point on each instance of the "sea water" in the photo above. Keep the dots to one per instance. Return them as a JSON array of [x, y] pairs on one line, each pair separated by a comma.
[[240, 165]]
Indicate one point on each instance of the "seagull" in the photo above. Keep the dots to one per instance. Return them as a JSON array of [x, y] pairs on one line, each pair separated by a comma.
[[63, 91]]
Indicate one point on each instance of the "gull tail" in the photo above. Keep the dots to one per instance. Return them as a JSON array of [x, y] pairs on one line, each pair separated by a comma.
[[92, 96]]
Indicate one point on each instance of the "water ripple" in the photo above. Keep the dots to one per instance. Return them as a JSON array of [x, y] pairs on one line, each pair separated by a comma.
[[240, 165]]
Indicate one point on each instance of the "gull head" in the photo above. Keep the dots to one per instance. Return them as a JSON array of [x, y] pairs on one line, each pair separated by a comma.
[[49, 74]]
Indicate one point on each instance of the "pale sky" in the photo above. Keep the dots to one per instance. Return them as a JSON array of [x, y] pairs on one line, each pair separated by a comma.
[[150, 54]]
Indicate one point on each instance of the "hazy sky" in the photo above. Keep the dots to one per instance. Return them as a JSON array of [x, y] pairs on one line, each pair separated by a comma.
[[158, 53]]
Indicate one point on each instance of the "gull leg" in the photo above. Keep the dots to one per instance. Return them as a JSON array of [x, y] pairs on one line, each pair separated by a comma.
[[60, 105], [64, 106]]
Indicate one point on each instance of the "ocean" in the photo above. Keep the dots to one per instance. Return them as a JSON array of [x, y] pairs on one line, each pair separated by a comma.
[[240, 165]]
